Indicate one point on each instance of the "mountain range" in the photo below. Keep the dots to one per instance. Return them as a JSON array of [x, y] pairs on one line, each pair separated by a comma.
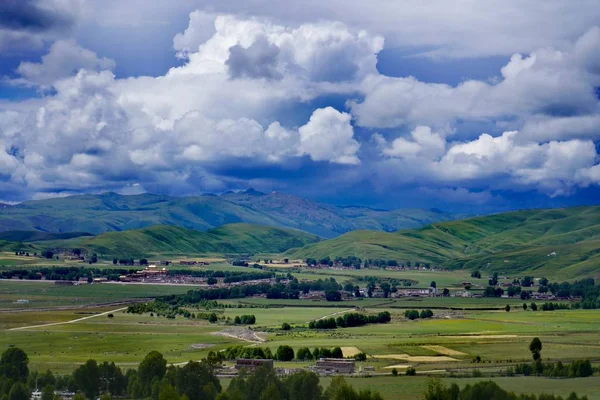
[[113, 212]]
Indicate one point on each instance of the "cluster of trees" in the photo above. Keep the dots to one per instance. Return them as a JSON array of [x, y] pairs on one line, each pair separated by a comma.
[[350, 320], [491, 291], [64, 273], [476, 274], [241, 351], [304, 385], [155, 379], [283, 353], [228, 276], [355, 262], [244, 320], [585, 288], [291, 290], [555, 306], [484, 390], [125, 261], [304, 353], [577, 369], [350, 261], [415, 314]]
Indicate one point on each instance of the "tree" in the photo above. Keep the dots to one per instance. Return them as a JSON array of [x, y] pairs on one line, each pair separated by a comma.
[[333, 295], [536, 348], [167, 392], [446, 292], [48, 392], [212, 281], [197, 382], [337, 352], [386, 288], [410, 371], [507, 308], [94, 259], [213, 318], [48, 254], [143, 261], [285, 326], [304, 353], [360, 357], [87, 378], [524, 306], [533, 307], [284, 353], [14, 364], [18, 391], [152, 367], [304, 385], [112, 379], [433, 284], [115, 261]]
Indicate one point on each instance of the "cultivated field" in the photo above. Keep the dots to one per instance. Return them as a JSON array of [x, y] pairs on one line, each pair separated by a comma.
[[62, 326]]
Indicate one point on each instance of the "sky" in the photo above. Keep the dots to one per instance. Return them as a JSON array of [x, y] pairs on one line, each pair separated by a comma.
[[464, 105]]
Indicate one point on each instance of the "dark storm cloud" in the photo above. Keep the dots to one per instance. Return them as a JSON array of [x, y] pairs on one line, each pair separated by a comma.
[[257, 61], [32, 15]]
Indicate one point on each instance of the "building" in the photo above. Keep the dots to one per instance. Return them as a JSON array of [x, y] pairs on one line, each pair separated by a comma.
[[335, 366], [366, 369], [252, 364]]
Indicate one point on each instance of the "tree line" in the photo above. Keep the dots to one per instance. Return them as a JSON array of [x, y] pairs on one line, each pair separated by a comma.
[[484, 390], [156, 380], [350, 320]]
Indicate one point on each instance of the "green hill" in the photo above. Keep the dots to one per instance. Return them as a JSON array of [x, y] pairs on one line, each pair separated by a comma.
[[562, 242], [162, 239], [36, 236], [113, 212]]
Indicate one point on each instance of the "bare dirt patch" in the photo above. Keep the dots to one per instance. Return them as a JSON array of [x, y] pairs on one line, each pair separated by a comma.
[[245, 334], [444, 350], [398, 366]]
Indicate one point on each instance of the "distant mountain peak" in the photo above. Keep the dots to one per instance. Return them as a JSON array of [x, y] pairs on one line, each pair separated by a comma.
[[253, 192]]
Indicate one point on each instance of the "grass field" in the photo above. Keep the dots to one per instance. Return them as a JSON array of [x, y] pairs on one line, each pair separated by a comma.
[[43, 294], [444, 346]]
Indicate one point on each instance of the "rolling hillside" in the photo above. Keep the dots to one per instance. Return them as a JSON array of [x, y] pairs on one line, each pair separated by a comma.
[[163, 239], [563, 242], [113, 212]]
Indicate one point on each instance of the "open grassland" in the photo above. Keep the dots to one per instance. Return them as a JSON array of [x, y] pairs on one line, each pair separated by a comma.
[[444, 346], [448, 343], [43, 294]]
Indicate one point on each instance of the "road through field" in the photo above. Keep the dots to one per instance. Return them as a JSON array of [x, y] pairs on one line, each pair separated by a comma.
[[333, 314], [20, 328]]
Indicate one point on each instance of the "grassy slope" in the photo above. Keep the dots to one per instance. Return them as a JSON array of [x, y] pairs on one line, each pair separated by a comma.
[[512, 242], [113, 212], [163, 239]]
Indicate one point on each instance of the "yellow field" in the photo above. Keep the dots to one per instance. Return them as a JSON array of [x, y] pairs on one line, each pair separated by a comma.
[[406, 357], [350, 351], [444, 350]]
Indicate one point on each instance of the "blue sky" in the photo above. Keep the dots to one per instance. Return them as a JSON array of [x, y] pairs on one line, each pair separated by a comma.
[[397, 104]]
